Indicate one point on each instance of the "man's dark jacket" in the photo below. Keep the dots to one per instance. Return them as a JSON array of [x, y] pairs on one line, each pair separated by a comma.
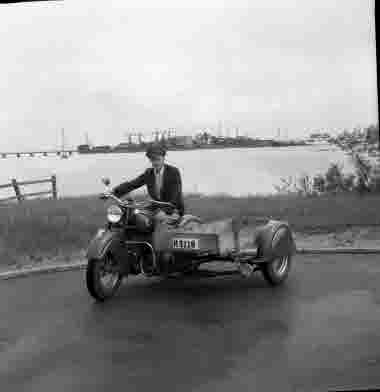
[[171, 190]]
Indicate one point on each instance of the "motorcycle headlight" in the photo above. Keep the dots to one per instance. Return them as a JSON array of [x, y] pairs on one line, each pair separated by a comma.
[[114, 214]]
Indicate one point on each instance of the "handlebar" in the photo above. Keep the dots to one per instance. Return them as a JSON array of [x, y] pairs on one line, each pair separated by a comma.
[[110, 195], [162, 203], [132, 204]]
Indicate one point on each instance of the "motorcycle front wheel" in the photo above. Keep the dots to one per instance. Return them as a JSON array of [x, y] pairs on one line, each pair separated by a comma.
[[103, 277]]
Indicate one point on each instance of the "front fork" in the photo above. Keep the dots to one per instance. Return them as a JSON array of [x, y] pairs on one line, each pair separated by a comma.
[[148, 250]]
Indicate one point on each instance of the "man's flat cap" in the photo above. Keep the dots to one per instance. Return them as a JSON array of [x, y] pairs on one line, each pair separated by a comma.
[[154, 150]]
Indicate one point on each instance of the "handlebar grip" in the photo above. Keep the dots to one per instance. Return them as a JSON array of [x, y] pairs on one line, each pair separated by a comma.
[[163, 203]]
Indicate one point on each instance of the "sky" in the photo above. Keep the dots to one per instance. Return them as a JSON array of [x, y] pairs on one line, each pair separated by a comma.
[[108, 67]]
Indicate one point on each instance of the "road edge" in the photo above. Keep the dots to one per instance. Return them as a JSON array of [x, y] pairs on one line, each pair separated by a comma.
[[341, 250], [42, 270], [24, 272]]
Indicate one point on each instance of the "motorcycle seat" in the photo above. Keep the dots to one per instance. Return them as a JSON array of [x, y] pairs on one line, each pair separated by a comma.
[[185, 220]]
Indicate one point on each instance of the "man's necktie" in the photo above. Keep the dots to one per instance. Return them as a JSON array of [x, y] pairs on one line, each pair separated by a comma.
[[158, 183]]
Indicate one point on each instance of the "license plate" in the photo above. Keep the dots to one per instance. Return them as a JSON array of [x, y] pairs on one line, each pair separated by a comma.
[[186, 243]]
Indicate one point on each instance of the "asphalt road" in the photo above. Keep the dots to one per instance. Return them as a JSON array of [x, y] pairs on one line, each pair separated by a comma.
[[318, 332]]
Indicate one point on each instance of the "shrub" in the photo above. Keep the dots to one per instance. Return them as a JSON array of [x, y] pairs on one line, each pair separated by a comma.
[[364, 180]]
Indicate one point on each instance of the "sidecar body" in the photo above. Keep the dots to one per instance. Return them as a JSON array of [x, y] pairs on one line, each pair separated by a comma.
[[271, 241]]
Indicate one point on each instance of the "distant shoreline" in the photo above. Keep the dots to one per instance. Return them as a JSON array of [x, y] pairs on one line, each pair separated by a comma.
[[69, 152], [207, 147]]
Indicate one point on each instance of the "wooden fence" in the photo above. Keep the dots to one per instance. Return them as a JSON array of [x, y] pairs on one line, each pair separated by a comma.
[[20, 197]]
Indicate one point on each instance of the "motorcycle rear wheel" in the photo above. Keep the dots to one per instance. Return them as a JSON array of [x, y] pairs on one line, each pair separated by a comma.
[[276, 271], [103, 278]]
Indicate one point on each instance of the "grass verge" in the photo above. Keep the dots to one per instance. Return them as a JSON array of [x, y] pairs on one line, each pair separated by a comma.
[[58, 229]]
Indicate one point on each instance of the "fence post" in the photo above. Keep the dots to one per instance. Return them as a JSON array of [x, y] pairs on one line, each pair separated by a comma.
[[17, 190], [54, 186]]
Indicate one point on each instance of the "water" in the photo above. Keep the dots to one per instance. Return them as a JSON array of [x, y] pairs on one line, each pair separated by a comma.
[[231, 171]]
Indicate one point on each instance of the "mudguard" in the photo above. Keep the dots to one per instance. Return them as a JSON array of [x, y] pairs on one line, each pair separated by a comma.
[[104, 241], [274, 239]]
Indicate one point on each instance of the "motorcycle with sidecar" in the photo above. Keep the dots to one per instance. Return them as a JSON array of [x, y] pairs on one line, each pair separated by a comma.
[[131, 244]]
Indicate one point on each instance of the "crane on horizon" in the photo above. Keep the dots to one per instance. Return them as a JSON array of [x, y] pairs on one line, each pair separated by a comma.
[[63, 152]]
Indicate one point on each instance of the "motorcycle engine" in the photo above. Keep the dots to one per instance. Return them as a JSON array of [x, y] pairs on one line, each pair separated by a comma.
[[172, 262], [143, 222], [166, 261]]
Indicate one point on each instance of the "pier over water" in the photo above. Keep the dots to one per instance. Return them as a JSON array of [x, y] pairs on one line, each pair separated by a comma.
[[19, 154]]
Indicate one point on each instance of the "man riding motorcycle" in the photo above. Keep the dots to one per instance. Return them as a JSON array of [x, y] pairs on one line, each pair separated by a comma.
[[163, 183]]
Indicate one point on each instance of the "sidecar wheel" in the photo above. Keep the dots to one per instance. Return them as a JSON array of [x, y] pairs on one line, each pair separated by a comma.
[[102, 278], [276, 271]]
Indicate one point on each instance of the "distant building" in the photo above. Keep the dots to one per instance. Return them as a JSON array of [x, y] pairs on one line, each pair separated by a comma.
[[101, 149], [320, 138], [182, 141], [83, 148], [122, 147], [203, 138]]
